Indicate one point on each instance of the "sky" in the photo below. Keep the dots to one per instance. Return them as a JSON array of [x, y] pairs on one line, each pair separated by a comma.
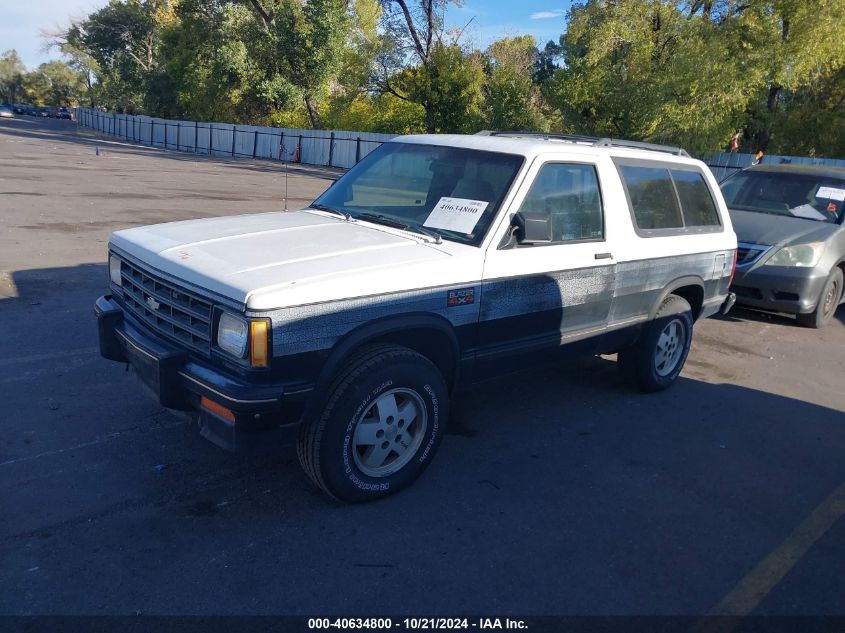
[[22, 21]]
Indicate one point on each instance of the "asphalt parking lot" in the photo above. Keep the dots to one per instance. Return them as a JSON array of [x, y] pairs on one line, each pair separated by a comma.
[[558, 491]]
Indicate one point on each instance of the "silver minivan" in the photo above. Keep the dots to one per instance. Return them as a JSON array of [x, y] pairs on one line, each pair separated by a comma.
[[791, 252]]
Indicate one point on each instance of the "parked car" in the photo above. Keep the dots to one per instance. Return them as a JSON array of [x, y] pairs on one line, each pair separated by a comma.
[[434, 262], [19, 108], [6, 112], [64, 113], [789, 222], [32, 110]]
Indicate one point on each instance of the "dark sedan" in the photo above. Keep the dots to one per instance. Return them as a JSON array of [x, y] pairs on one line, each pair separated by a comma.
[[789, 224]]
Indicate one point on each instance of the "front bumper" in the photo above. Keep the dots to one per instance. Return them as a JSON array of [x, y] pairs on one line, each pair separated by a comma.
[[250, 412], [788, 289]]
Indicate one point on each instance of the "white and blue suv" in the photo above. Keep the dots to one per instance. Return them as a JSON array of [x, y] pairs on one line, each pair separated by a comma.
[[434, 262]]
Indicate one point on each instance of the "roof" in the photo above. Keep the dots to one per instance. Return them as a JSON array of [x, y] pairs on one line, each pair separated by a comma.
[[532, 144], [810, 170]]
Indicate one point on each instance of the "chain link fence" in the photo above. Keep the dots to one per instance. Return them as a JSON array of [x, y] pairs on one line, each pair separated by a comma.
[[326, 148]]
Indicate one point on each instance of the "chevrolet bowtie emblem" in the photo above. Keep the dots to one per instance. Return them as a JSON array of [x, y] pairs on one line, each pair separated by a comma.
[[154, 305]]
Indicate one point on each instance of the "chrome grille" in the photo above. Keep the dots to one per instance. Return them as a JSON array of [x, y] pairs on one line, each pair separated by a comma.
[[748, 253], [179, 315]]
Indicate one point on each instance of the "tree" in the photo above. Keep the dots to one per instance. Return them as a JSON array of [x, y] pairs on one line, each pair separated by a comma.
[[119, 43], [11, 76], [67, 86], [512, 101], [297, 45], [648, 69], [421, 64], [794, 44]]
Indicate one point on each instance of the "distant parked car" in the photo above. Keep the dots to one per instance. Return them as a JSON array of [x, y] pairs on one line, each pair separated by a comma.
[[43, 112], [789, 224], [6, 112], [64, 113], [19, 108]]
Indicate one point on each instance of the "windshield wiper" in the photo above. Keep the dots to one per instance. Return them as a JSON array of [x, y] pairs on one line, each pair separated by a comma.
[[323, 207], [377, 218]]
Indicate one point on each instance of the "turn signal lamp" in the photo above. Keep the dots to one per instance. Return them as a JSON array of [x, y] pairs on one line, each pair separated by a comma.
[[259, 342]]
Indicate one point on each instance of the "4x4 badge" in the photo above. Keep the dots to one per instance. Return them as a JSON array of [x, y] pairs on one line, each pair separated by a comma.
[[460, 297]]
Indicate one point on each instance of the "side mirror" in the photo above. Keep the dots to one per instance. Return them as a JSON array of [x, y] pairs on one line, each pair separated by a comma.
[[533, 228]]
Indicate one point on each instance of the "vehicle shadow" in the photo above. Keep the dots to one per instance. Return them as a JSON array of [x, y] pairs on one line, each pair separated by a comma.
[[741, 313]]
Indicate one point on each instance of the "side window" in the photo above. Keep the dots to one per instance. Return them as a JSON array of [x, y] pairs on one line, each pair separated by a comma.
[[569, 193], [696, 200], [652, 197]]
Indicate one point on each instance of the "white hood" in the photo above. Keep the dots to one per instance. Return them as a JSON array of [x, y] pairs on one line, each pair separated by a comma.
[[274, 260]]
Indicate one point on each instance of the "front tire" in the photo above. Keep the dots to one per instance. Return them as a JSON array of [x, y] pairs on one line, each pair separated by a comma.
[[384, 417], [828, 302], [655, 361]]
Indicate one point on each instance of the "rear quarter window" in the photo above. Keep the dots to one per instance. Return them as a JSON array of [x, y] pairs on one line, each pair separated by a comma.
[[666, 200], [696, 200]]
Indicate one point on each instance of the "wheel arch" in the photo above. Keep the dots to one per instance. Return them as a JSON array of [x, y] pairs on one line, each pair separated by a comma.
[[690, 288], [431, 335]]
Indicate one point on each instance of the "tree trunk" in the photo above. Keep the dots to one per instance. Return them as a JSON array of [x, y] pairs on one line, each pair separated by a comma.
[[313, 114]]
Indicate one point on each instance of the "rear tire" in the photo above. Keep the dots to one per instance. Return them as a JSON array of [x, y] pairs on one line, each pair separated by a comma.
[[828, 302], [383, 419], [654, 362]]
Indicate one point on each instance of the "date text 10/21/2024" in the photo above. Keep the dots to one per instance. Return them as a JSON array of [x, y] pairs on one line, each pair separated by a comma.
[[417, 623]]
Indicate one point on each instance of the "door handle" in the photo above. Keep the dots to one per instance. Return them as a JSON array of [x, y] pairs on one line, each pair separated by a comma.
[[604, 256]]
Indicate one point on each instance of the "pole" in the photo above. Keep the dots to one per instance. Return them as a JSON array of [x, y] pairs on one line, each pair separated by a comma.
[[331, 148], [357, 150], [234, 136], [165, 134], [196, 135], [178, 134], [152, 132], [254, 143]]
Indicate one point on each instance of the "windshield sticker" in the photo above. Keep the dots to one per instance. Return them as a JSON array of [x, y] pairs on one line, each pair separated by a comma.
[[456, 214], [831, 193], [808, 212]]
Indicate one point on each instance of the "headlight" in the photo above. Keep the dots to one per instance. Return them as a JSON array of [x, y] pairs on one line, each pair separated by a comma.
[[804, 255], [232, 334], [114, 270]]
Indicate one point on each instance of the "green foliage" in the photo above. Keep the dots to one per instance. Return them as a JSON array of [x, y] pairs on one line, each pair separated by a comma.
[[691, 73], [512, 100], [686, 72], [52, 83], [295, 44], [11, 76], [448, 88]]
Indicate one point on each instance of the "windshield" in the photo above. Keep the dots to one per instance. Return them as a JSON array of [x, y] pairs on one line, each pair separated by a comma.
[[806, 196], [446, 191]]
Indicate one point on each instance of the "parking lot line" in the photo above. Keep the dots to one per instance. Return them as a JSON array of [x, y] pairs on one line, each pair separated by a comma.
[[756, 585]]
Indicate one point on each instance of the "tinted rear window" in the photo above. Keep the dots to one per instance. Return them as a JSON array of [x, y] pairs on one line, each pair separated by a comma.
[[696, 201], [666, 199], [652, 197]]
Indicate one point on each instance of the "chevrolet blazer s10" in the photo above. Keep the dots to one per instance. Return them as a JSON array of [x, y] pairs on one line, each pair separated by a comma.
[[435, 261]]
